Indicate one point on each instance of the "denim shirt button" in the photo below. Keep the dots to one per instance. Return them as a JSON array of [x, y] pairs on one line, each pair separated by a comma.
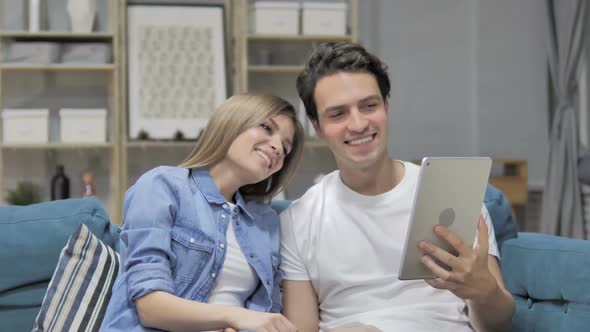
[[192, 240], [213, 275], [223, 216], [221, 245], [224, 206]]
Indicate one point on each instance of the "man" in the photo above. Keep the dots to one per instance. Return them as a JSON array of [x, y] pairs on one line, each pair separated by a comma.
[[342, 241]]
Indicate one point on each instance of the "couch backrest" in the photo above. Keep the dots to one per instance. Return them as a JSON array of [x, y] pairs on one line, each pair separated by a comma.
[[549, 279], [31, 239]]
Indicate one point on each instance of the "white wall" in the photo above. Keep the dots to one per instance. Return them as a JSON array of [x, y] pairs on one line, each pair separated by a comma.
[[512, 83], [468, 77]]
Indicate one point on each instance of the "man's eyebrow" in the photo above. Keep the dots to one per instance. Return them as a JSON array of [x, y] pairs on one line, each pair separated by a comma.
[[276, 126], [371, 98], [336, 107]]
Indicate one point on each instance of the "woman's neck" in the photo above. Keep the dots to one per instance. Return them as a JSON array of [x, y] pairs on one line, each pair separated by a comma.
[[227, 183]]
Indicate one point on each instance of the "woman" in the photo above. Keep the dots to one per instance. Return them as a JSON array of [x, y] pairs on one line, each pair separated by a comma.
[[199, 250]]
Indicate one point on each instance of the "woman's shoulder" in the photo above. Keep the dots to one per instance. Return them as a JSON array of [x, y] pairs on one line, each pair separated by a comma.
[[164, 173], [167, 178]]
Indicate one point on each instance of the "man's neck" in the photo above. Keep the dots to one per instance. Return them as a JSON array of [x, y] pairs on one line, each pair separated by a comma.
[[376, 180]]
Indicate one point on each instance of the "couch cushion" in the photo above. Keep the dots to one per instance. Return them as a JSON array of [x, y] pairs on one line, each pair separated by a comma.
[[548, 277], [32, 238], [80, 288]]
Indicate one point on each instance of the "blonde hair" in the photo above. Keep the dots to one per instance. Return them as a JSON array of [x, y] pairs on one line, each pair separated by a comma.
[[233, 117]]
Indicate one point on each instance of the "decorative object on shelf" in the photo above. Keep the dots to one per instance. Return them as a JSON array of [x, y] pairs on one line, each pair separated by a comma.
[[82, 14], [176, 68], [25, 126], [178, 136], [83, 125], [143, 135], [36, 17], [60, 184], [26, 193], [264, 56], [89, 188]]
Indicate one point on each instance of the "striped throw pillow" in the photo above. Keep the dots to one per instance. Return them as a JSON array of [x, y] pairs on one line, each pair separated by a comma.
[[80, 289]]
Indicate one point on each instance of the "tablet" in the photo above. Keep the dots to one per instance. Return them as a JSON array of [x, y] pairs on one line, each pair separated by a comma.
[[450, 192]]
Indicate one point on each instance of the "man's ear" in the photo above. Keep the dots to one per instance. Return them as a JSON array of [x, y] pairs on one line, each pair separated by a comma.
[[386, 104]]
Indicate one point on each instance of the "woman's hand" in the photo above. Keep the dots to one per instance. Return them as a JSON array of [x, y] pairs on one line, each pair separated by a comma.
[[244, 319]]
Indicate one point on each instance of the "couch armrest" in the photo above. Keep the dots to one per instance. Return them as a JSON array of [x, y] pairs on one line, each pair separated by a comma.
[[549, 278]]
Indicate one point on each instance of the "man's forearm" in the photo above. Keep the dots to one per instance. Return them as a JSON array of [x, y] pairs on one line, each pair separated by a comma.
[[495, 314]]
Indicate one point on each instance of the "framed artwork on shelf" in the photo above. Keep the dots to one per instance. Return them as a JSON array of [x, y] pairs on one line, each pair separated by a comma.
[[176, 63]]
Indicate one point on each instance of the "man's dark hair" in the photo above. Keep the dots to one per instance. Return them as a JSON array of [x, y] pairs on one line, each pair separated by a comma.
[[330, 58]]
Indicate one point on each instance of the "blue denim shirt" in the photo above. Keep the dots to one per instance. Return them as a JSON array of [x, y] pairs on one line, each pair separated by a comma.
[[173, 240]]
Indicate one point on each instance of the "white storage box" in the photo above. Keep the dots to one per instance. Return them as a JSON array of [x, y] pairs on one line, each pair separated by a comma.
[[275, 18], [83, 125], [32, 52], [324, 18], [25, 126]]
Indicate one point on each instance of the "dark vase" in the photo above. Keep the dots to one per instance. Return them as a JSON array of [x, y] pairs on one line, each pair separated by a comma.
[[60, 184]]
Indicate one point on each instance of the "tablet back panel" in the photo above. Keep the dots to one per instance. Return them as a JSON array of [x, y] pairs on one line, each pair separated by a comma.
[[450, 192]]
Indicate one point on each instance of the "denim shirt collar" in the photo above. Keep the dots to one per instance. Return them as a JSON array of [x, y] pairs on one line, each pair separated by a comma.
[[211, 192]]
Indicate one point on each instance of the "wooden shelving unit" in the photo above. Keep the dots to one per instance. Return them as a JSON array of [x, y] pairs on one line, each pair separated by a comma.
[[56, 35], [57, 67], [113, 145], [514, 181], [300, 38], [57, 146], [118, 147], [274, 69], [244, 71]]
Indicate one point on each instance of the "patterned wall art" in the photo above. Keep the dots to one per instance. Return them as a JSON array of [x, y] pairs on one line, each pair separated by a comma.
[[176, 67]]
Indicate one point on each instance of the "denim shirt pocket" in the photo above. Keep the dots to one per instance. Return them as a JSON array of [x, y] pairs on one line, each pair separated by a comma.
[[193, 249]]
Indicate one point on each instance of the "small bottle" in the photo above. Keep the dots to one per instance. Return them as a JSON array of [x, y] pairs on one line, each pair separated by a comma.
[[89, 188], [60, 184]]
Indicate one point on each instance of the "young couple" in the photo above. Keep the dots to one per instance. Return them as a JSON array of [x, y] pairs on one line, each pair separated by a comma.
[[200, 248]]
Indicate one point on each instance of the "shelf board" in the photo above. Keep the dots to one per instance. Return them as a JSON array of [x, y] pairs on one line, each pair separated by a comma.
[[301, 38], [57, 67], [57, 35], [56, 146], [275, 68], [160, 144]]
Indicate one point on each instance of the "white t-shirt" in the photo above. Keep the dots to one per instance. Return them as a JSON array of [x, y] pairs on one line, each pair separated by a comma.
[[350, 246], [237, 279]]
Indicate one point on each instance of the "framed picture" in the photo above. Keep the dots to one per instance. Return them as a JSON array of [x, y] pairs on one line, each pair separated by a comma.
[[176, 62]]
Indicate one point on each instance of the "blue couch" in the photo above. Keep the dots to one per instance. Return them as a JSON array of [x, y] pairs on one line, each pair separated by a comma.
[[548, 276]]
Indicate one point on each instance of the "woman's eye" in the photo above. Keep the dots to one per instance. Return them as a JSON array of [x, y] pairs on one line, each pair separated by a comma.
[[266, 127]]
